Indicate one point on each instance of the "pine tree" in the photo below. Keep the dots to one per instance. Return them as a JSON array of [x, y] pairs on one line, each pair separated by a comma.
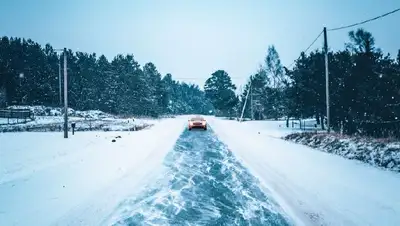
[[120, 86], [220, 90]]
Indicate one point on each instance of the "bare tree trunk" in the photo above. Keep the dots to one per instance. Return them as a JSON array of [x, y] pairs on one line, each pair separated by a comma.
[[322, 122]]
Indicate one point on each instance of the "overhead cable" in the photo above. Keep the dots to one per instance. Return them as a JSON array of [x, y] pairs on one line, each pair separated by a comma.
[[312, 43], [365, 21]]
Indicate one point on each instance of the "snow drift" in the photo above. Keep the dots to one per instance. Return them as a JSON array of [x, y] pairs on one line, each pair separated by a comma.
[[375, 152]]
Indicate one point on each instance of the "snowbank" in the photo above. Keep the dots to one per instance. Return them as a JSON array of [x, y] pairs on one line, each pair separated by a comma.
[[379, 153], [375, 152]]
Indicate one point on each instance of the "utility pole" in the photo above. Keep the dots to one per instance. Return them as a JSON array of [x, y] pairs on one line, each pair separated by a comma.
[[251, 103], [245, 102], [328, 117], [59, 80], [65, 95]]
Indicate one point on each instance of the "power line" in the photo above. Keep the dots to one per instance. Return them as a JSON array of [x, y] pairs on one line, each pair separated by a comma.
[[312, 43], [319, 35], [344, 27], [365, 21]]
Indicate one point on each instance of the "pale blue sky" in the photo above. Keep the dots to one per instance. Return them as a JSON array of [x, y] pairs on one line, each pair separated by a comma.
[[193, 38]]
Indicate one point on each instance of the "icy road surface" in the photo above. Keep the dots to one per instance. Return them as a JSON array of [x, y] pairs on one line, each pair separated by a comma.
[[165, 175], [204, 185]]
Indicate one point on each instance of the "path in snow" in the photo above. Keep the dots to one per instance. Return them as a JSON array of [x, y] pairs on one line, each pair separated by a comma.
[[204, 185]]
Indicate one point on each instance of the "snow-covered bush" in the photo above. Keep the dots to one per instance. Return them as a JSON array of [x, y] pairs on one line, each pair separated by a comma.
[[40, 110], [92, 114], [381, 153], [50, 119], [81, 125]]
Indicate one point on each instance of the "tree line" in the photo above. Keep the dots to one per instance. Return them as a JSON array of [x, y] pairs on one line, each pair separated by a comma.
[[29, 76], [364, 85], [364, 89]]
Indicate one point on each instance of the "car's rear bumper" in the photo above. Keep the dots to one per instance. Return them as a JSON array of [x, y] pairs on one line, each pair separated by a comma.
[[193, 127], [202, 126]]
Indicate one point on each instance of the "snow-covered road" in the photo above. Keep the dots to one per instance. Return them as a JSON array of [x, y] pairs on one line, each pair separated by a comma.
[[89, 180], [203, 184]]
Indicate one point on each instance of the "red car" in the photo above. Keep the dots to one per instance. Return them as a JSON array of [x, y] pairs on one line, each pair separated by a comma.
[[197, 122]]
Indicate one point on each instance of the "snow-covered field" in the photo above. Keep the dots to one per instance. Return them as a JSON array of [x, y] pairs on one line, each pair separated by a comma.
[[50, 119], [46, 179], [313, 186]]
